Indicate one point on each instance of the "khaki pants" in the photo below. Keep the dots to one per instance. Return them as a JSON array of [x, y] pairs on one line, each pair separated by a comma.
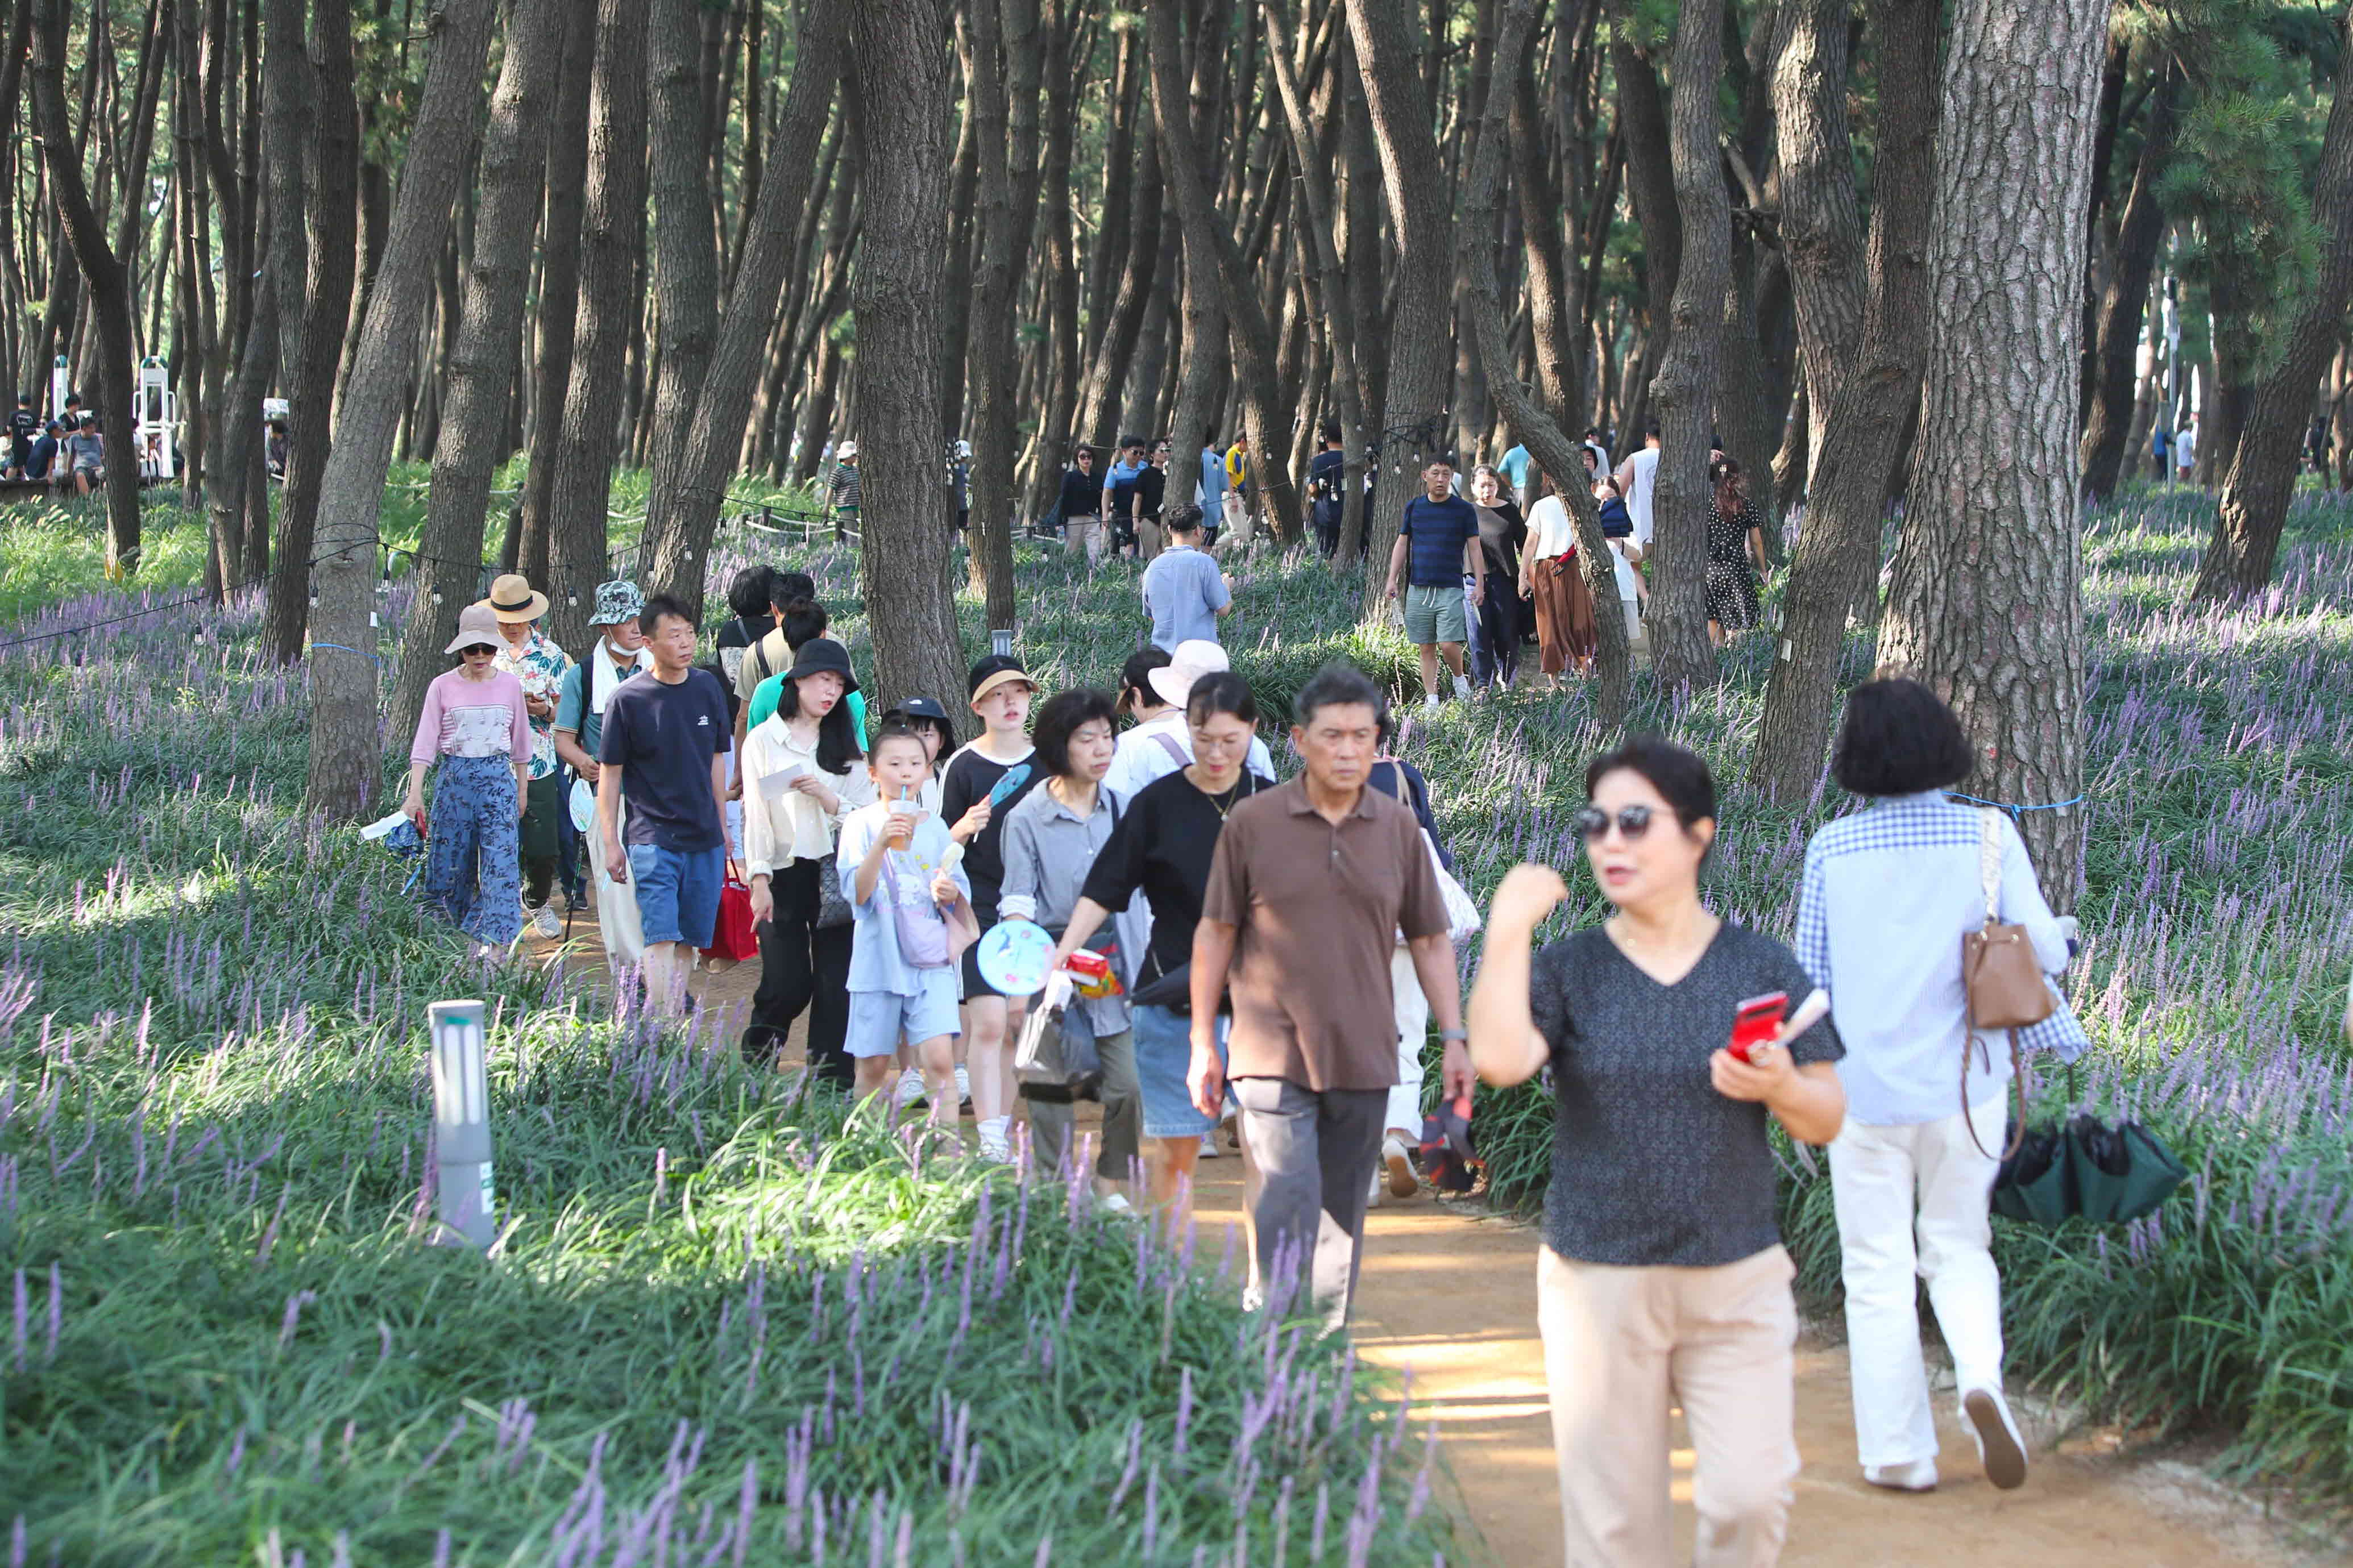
[[1147, 537], [1622, 1344], [1083, 534]]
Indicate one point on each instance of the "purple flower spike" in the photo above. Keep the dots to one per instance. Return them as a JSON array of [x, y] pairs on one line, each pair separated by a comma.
[[57, 1310]]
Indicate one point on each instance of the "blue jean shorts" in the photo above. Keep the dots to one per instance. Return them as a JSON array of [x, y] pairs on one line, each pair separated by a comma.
[[879, 1018], [1164, 1054], [677, 891]]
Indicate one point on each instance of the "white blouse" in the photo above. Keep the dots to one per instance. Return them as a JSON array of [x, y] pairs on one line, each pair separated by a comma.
[[1550, 531], [781, 823]]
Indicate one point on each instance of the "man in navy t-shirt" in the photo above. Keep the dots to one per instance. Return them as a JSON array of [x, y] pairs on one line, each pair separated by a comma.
[[1326, 478], [664, 755], [1437, 549]]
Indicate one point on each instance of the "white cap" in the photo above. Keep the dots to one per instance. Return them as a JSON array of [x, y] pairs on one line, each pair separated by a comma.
[[848, 450], [1192, 659]]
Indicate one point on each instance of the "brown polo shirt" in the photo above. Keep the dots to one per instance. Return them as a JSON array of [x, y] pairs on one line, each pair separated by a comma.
[[1318, 908]]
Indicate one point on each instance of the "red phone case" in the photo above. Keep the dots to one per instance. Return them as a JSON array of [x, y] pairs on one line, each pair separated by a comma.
[[1757, 1020]]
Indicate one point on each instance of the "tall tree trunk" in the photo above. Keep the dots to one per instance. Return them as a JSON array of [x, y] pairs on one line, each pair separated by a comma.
[[612, 243], [1691, 371], [1004, 43], [559, 288], [1100, 405], [956, 342], [1650, 190], [287, 86], [482, 362], [346, 746], [103, 271], [1064, 80], [230, 495], [1987, 605], [2262, 477], [1821, 235], [679, 521], [686, 256], [2108, 411], [1556, 451], [333, 233], [1837, 560], [901, 76], [1420, 360]]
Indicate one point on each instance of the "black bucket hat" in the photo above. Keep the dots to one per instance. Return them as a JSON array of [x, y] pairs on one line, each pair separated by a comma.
[[819, 654]]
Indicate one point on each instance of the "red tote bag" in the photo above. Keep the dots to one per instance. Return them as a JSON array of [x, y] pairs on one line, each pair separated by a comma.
[[731, 935]]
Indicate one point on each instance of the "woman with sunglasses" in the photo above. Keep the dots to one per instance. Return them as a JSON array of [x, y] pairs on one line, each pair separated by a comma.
[[474, 731], [1662, 1279]]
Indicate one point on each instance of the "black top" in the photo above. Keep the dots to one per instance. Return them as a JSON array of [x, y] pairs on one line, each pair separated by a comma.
[[1081, 494], [741, 633], [1325, 475], [1388, 775], [1167, 837], [1652, 1166], [1502, 534], [972, 776], [1151, 485]]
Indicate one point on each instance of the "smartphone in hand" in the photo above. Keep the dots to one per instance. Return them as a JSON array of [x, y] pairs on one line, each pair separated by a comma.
[[1758, 1021]]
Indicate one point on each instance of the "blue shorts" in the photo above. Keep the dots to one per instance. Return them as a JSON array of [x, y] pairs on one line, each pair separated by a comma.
[[677, 891], [878, 1019], [1164, 1054]]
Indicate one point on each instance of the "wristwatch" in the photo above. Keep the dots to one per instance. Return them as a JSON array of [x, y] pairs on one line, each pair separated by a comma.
[[1448, 1036]]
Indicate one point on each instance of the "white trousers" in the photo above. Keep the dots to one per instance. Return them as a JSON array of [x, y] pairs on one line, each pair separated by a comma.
[[1913, 1200], [1413, 1026]]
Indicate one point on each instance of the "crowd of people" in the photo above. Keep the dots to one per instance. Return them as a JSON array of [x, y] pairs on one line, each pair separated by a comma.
[[67, 453], [1281, 945]]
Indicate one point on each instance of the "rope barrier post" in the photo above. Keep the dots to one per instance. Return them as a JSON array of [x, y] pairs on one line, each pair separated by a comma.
[[461, 1123]]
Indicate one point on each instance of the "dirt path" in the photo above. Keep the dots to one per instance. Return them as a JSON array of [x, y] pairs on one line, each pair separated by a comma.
[[1449, 1293]]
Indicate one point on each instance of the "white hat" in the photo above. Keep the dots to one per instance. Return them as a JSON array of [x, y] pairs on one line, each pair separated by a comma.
[[1194, 657], [848, 450]]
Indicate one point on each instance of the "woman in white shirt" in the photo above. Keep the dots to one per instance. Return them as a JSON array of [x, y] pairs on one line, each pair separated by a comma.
[[800, 778], [1551, 575]]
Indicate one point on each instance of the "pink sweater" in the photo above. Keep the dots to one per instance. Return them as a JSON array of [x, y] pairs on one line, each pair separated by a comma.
[[466, 718]]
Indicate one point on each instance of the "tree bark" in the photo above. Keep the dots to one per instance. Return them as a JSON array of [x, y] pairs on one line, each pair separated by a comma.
[[482, 362], [612, 245], [1003, 41], [230, 495], [2262, 475], [686, 255], [900, 51], [1100, 405], [1556, 451], [346, 745], [1837, 560], [1821, 234], [326, 303], [559, 287], [1650, 190], [1987, 605], [2139, 232], [1690, 371]]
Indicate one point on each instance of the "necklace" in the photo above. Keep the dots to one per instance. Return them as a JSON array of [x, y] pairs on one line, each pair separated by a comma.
[[1232, 795]]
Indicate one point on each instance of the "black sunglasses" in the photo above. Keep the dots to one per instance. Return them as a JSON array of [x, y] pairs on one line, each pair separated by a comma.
[[1633, 822], [478, 647]]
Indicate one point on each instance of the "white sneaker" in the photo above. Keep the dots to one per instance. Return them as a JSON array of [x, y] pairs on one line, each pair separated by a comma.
[[1462, 687], [911, 1088], [994, 1144], [1999, 1444], [1403, 1183], [964, 1085], [544, 922], [1919, 1476], [1431, 703], [1210, 1149], [1115, 1203]]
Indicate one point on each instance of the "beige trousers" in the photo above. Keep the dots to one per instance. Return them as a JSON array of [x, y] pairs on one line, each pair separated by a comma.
[[1622, 1345]]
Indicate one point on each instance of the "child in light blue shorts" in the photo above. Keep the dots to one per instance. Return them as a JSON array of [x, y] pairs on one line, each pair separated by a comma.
[[907, 893]]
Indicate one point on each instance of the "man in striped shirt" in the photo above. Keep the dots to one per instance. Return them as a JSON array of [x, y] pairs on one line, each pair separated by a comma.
[[842, 495]]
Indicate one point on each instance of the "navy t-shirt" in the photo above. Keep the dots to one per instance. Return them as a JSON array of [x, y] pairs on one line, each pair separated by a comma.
[[1325, 476], [1438, 530], [664, 737]]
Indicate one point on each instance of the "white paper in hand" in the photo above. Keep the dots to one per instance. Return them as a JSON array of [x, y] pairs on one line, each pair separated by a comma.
[[778, 785]]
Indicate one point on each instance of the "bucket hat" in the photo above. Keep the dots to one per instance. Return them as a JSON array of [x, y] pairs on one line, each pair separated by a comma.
[[1193, 658], [617, 602], [819, 654], [512, 598], [478, 627]]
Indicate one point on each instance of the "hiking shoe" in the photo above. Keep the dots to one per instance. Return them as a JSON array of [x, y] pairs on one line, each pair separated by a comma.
[[1403, 1182], [1918, 1476], [1210, 1149], [911, 1088], [1999, 1444], [544, 922]]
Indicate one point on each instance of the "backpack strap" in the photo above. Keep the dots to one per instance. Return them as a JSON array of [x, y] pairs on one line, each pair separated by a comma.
[[1167, 742]]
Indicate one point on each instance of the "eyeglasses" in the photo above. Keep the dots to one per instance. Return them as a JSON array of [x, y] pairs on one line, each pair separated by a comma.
[[1633, 822]]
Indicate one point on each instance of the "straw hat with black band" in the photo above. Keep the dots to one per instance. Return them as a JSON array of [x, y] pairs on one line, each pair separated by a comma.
[[512, 599]]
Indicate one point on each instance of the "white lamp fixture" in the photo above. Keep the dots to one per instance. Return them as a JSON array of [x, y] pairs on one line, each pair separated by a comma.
[[461, 1123]]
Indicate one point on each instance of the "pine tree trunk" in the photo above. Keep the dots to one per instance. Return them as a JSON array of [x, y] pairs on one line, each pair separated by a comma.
[[1837, 560], [612, 246], [1005, 48], [1821, 234], [899, 49], [680, 520], [346, 744], [2262, 477], [1100, 406], [559, 285], [1690, 373], [2139, 232], [1987, 605], [482, 360], [686, 254]]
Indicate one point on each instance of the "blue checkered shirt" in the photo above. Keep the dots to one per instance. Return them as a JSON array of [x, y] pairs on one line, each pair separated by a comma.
[[1887, 895]]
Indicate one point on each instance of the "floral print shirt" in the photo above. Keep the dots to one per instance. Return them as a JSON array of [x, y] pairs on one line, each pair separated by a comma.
[[540, 664]]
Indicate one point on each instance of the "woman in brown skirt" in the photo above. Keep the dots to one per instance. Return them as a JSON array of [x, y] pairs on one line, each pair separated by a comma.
[[1551, 575]]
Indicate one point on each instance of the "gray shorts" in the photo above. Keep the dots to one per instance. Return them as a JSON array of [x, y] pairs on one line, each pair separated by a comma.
[[1436, 614]]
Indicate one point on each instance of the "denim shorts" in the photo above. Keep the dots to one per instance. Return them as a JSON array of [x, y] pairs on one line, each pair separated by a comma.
[[1436, 615], [677, 891], [1164, 1054], [879, 1018]]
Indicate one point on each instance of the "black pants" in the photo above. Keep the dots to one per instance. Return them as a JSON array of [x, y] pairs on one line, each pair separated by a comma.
[[802, 966]]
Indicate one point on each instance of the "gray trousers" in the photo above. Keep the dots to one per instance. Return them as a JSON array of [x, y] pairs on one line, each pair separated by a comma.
[[1122, 1116], [1313, 1154]]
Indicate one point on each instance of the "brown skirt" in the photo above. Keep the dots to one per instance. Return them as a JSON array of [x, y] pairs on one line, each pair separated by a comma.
[[1565, 631]]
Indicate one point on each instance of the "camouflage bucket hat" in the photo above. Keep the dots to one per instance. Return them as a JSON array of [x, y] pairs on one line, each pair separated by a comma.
[[617, 602]]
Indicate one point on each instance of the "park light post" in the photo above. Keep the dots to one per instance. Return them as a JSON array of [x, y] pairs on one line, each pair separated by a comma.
[[461, 1122]]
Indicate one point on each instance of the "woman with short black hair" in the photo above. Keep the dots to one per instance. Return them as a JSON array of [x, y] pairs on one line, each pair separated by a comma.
[[1887, 894], [1662, 1279]]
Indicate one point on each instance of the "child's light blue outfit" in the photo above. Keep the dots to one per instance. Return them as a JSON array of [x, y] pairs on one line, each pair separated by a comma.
[[890, 997]]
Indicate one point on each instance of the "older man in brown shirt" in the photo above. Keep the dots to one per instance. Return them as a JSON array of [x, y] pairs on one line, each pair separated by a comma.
[[1312, 883]]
